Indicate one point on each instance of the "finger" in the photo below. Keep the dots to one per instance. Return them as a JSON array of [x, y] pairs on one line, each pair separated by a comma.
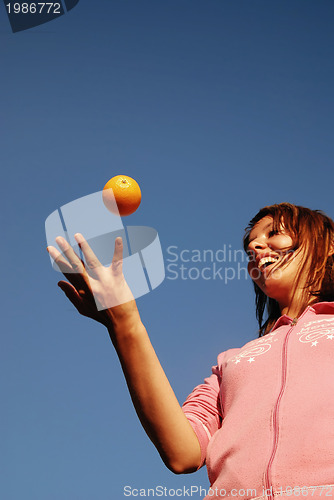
[[92, 262], [118, 252], [117, 259], [74, 260], [59, 259], [80, 281]]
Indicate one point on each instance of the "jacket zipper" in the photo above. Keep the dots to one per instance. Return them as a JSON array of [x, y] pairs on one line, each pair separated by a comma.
[[267, 481]]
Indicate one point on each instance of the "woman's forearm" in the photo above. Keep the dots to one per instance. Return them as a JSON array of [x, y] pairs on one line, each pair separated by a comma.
[[153, 398]]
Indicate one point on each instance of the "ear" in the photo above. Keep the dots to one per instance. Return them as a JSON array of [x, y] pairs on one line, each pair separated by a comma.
[[331, 250]]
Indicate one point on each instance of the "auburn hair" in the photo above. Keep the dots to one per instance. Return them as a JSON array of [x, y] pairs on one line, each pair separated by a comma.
[[311, 230]]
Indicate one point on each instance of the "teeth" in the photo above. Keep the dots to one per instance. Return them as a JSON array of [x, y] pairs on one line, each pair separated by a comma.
[[266, 260]]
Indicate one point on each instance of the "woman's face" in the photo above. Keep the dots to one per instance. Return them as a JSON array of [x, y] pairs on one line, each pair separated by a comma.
[[267, 252]]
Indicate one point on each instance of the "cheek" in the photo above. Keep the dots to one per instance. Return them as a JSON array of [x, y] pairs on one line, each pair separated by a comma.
[[282, 241]]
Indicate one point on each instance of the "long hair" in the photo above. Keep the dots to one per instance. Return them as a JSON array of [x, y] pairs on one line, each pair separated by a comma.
[[313, 231]]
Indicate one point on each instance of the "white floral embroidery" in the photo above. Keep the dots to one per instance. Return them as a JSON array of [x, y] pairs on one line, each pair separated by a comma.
[[310, 333], [315, 330], [254, 348]]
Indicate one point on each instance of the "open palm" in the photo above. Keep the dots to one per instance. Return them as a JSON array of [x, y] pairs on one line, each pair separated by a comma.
[[93, 288]]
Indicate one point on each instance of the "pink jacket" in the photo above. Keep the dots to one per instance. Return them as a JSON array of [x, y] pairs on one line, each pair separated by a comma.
[[265, 417]]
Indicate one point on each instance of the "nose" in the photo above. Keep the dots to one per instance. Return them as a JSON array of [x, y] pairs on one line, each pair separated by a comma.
[[256, 245]]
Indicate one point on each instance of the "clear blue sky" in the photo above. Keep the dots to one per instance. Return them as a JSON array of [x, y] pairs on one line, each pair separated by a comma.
[[216, 108]]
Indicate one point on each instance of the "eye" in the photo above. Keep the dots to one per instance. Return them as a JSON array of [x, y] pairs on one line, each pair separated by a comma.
[[272, 233]]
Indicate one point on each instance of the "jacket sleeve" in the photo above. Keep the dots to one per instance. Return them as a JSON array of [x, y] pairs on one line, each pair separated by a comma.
[[203, 410]]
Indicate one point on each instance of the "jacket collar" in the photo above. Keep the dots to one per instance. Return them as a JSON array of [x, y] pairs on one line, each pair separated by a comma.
[[318, 308]]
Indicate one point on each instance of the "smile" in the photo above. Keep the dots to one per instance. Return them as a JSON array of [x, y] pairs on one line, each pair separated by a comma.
[[266, 262]]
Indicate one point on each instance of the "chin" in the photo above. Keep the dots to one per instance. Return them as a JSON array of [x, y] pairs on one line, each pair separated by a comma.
[[273, 291]]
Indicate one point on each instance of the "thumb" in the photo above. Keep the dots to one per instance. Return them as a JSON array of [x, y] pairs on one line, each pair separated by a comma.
[[71, 293]]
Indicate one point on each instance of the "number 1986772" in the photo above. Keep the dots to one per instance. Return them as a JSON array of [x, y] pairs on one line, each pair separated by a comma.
[[34, 8]]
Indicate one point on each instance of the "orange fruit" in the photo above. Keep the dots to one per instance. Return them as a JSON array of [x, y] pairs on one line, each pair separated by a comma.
[[126, 193]]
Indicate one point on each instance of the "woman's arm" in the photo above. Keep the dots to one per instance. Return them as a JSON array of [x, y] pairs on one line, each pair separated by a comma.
[[153, 398]]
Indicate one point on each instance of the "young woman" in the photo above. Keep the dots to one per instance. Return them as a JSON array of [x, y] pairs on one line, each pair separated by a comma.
[[263, 422]]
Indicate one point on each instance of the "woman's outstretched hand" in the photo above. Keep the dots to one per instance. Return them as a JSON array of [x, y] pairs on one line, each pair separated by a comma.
[[98, 292]]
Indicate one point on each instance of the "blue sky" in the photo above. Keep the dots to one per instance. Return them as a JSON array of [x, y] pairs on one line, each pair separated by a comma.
[[216, 108]]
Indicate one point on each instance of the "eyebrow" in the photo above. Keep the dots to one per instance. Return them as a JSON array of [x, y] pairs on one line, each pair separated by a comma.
[[266, 227]]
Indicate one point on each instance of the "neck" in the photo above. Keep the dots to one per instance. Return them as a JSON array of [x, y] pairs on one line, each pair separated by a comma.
[[293, 310]]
